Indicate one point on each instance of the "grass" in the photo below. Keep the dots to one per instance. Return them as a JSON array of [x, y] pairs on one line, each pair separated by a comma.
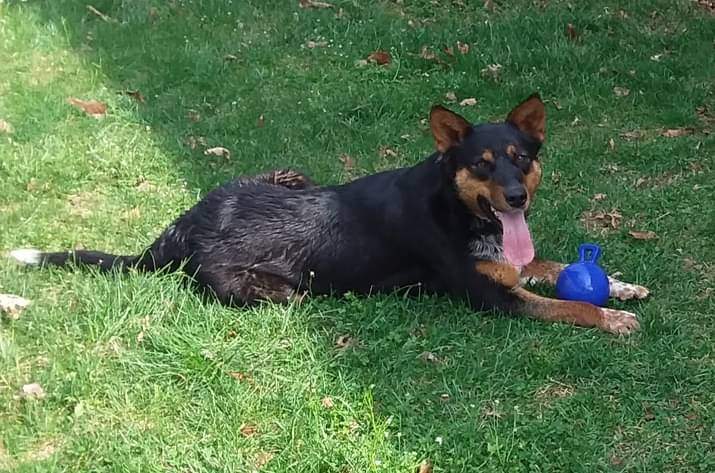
[[141, 374]]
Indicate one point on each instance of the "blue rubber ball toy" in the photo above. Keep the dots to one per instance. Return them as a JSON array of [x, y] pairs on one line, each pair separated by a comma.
[[584, 280]]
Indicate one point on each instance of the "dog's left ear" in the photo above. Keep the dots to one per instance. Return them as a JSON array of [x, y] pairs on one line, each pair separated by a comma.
[[530, 117], [448, 128]]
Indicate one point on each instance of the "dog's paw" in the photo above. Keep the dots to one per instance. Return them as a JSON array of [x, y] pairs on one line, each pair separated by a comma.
[[625, 291], [618, 322]]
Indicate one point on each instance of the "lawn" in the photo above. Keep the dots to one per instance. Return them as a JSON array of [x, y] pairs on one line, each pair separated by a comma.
[[139, 373]]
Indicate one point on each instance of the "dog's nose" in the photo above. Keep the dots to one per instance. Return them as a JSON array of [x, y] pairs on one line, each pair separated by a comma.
[[515, 196]]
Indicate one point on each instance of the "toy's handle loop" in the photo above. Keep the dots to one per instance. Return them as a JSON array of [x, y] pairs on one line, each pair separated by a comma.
[[589, 253]]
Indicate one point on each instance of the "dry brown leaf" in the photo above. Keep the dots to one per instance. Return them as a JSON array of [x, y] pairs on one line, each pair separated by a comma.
[[621, 91], [611, 144], [450, 97], [648, 413], [601, 220], [571, 32], [348, 162], [444, 397], [463, 47], [555, 390], [468, 102], [425, 467], [262, 459], [193, 115], [429, 357], [315, 44], [314, 4], [248, 430], [427, 53], [261, 122], [136, 95], [492, 71], [599, 197], [449, 51], [240, 376], [12, 305], [643, 235], [708, 5], [218, 151], [387, 152], [32, 391], [381, 58], [676, 132], [93, 108], [327, 402], [345, 341], [632, 135], [5, 127]]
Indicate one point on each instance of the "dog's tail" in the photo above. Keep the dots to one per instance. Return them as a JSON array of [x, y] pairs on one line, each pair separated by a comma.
[[166, 252]]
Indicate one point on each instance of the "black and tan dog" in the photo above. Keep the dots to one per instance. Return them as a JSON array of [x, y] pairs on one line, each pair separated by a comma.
[[453, 224]]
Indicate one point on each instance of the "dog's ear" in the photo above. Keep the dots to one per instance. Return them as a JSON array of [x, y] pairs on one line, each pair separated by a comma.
[[530, 117], [448, 128]]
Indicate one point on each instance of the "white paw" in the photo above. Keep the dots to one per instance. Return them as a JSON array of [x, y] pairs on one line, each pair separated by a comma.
[[625, 291], [618, 322]]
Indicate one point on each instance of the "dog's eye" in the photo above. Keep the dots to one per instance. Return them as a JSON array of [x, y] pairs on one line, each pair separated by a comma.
[[481, 166]]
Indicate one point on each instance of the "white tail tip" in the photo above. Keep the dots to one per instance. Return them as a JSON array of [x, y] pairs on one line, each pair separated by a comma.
[[31, 257]]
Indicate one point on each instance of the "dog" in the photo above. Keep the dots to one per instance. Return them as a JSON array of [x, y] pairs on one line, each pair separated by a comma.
[[454, 224]]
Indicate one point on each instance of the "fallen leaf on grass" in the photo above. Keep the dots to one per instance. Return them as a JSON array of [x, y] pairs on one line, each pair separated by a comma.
[[136, 95], [425, 467], [449, 51], [262, 459], [193, 115], [240, 376], [387, 152], [648, 413], [345, 341], [676, 132], [599, 197], [611, 144], [5, 127], [248, 430], [429, 357], [261, 122], [571, 32], [555, 390], [645, 235], [381, 58], [601, 220], [492, 71], [621, 91], [327, 402], [468, 102], [709, 5], [12, 305], [348, 162], [428, 54], [489, 5], [218, 151], [194, 141], [32, 391], [315, 44], [450, 97], [632, 135], [93, 108], [463, 47], [314, 4]]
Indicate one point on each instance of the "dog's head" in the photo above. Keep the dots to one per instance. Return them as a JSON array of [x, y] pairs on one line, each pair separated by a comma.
[[494, 167]]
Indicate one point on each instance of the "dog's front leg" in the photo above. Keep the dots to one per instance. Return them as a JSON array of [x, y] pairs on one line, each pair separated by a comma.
[[544, 271], [516, 300]]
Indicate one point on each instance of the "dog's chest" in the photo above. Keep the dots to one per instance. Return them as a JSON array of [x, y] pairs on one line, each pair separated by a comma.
[[485, 241]]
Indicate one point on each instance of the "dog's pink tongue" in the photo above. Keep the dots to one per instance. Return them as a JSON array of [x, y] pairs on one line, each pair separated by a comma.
[[518, 248]]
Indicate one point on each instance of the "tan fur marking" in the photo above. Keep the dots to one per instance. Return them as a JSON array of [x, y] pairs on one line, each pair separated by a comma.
[[502, 273], [542, 271], [618, 322], [469, 188], [511, 151], [532, 179], [487, 155]]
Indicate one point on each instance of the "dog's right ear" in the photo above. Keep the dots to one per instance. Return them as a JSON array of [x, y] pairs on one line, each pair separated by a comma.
[[448, 128]]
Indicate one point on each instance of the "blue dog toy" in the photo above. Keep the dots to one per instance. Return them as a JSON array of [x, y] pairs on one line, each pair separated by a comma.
[[584, 280]]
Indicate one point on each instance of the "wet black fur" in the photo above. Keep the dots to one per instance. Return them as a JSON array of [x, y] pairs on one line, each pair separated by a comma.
[[268, 237]]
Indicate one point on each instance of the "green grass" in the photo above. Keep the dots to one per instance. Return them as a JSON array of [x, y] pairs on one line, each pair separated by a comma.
[[136, 368]]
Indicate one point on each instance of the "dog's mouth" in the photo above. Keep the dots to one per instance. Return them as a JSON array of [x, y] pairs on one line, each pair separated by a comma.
[[516, 238]]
